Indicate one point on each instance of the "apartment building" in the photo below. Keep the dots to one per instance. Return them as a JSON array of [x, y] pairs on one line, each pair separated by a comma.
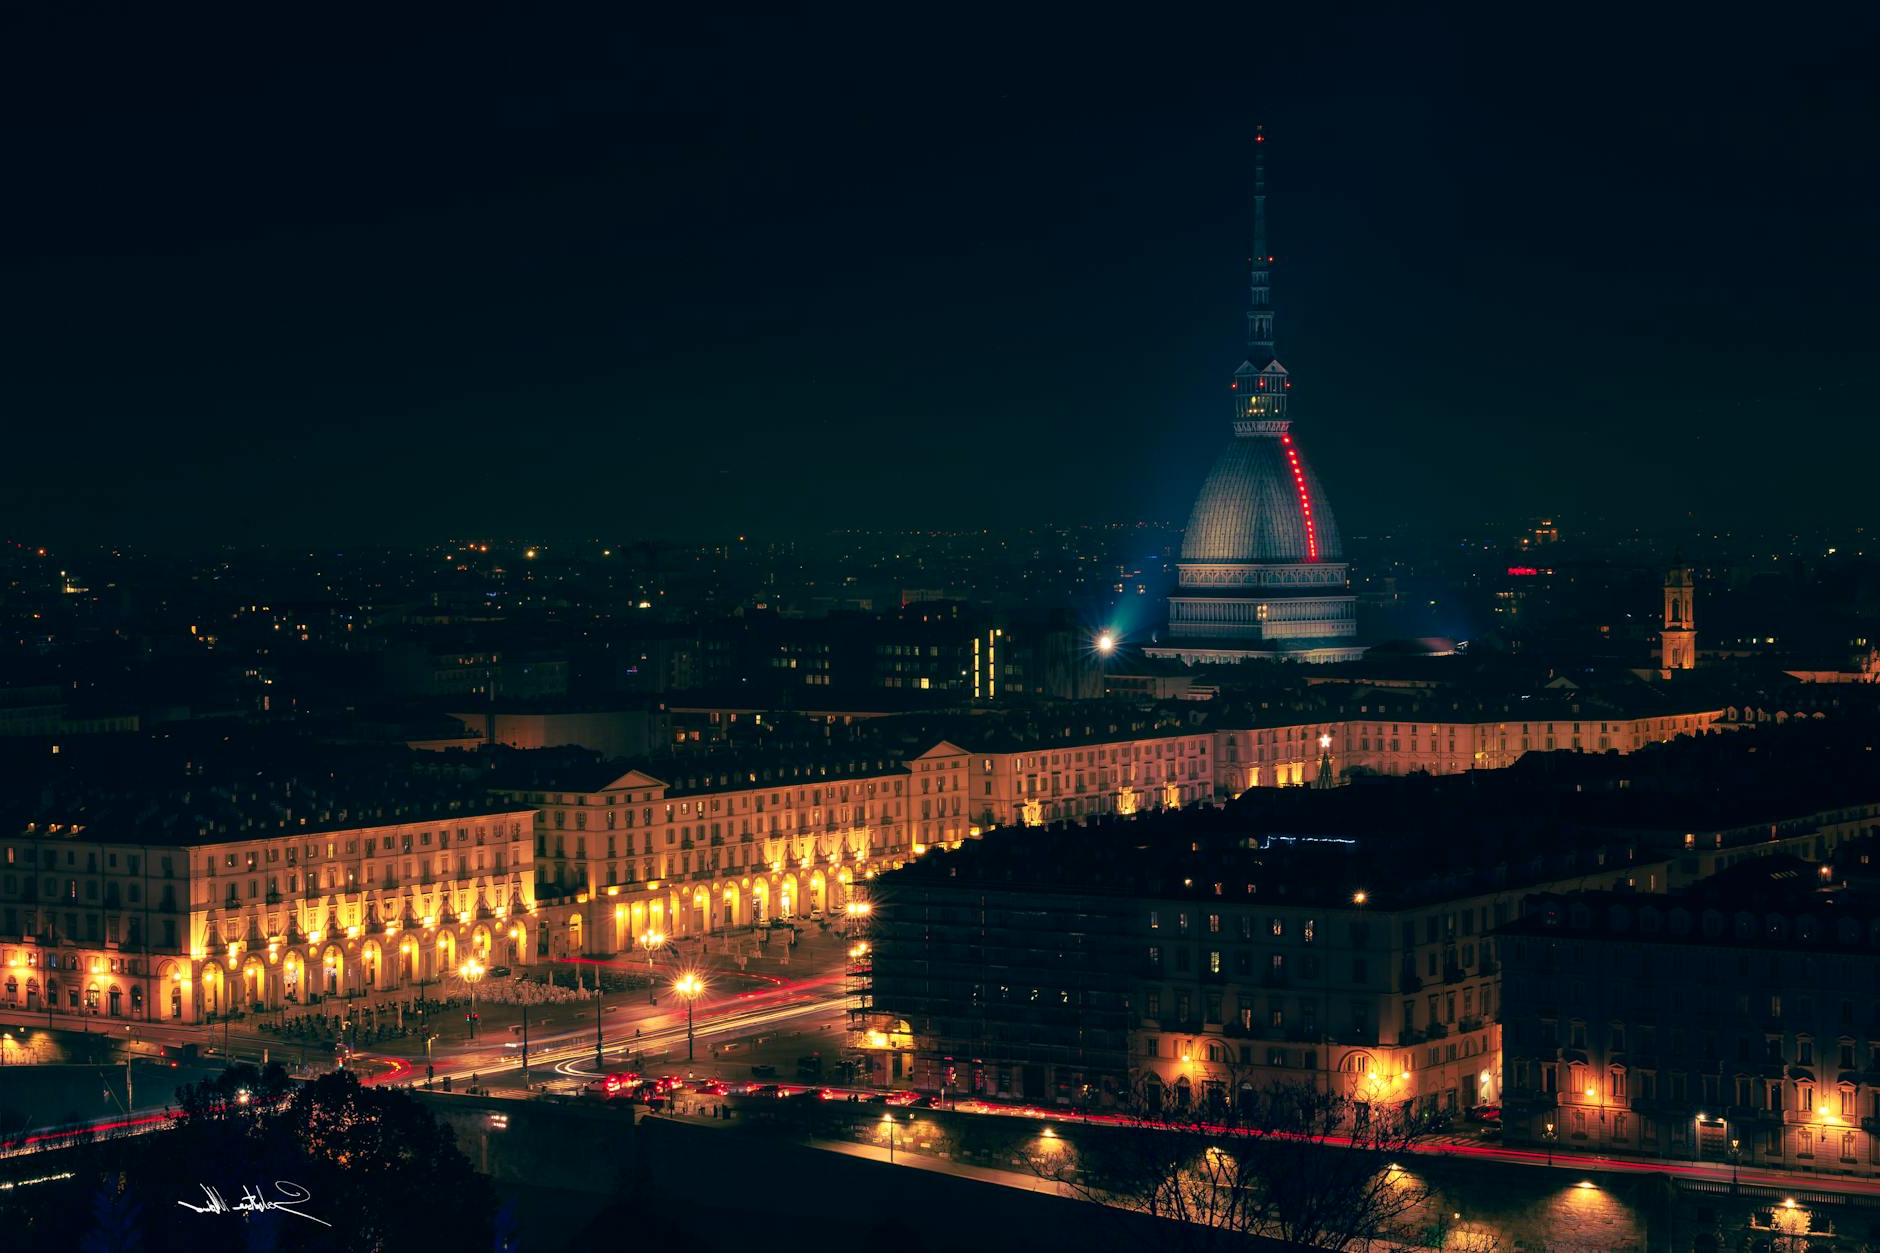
[[187, 905]]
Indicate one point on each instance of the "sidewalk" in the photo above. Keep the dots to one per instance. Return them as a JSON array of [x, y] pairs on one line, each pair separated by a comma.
[[946, 1166]]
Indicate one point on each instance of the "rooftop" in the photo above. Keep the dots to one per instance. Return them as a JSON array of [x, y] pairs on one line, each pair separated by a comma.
[[187, 787], [1405, 841]]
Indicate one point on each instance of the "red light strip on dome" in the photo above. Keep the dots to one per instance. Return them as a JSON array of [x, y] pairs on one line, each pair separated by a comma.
[[1305, 498]]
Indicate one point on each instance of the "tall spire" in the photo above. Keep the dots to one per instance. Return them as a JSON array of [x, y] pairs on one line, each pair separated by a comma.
[[1260, 384], [1260, 304]]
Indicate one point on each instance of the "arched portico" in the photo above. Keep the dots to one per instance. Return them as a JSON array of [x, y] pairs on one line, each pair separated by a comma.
[[254, 987], [332, 970], [371, 966]]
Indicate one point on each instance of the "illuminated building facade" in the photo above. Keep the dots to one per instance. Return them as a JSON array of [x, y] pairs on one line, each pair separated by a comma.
[[688, 847], [1261, 571], [1179, 964], [720, 845], [1733, 1020], [257, 918], [1352, 940]]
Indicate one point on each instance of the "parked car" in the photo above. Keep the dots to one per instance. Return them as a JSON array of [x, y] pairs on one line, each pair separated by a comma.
[[1484, 1114], [499, 972]]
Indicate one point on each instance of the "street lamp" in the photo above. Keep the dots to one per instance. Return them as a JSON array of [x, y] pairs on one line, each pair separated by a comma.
[[651, 941], [688, 985], [892, 1124], [1549, 1133], [471, 972], [599, 1038], [1106, 643], [1736, 1154]]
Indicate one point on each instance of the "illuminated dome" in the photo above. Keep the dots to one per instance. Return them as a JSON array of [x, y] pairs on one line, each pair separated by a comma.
[[1253, 509]]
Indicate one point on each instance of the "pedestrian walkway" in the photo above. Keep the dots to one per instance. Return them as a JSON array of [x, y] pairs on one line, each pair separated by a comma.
[[946, 1166]]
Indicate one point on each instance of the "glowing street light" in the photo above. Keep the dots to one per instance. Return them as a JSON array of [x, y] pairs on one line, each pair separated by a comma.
[[688, 985], [1106, 643], [471, 972]]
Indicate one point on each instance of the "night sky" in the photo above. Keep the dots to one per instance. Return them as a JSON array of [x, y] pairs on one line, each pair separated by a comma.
[[928, 268]]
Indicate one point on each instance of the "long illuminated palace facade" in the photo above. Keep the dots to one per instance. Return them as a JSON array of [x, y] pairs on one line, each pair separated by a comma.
[[246, 913], [623, 855], [258, 919]]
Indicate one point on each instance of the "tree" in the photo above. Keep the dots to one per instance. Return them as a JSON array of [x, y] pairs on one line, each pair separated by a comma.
[[240, 1095], [116, 1216], [369, 1152], [365, 1156], [1288, 1162]]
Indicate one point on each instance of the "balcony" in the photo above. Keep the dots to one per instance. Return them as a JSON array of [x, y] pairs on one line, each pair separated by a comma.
[[1469, 1024]]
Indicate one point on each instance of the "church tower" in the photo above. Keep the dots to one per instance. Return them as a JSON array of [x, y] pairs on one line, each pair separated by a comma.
[[1678, 635]]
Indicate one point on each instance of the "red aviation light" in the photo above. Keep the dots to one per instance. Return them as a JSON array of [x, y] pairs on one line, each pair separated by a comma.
[[1305, 499]]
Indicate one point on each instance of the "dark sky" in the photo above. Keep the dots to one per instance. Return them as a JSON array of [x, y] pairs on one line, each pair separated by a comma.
[[927, 267]]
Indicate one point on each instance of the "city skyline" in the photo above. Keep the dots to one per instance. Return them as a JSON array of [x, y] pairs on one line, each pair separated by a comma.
[[667, 274]]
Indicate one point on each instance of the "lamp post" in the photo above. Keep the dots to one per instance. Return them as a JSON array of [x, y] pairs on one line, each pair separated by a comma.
[[1736, 1154], [598, 1040], [688, 985], [1548, 1133], [471, 972], [651, 941]]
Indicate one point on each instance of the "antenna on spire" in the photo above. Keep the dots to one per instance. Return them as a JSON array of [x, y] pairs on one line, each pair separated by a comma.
[[1260, 293], [1259, 198]]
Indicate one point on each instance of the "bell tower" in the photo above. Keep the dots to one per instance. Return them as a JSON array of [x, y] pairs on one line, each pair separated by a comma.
[[1678, 633]]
